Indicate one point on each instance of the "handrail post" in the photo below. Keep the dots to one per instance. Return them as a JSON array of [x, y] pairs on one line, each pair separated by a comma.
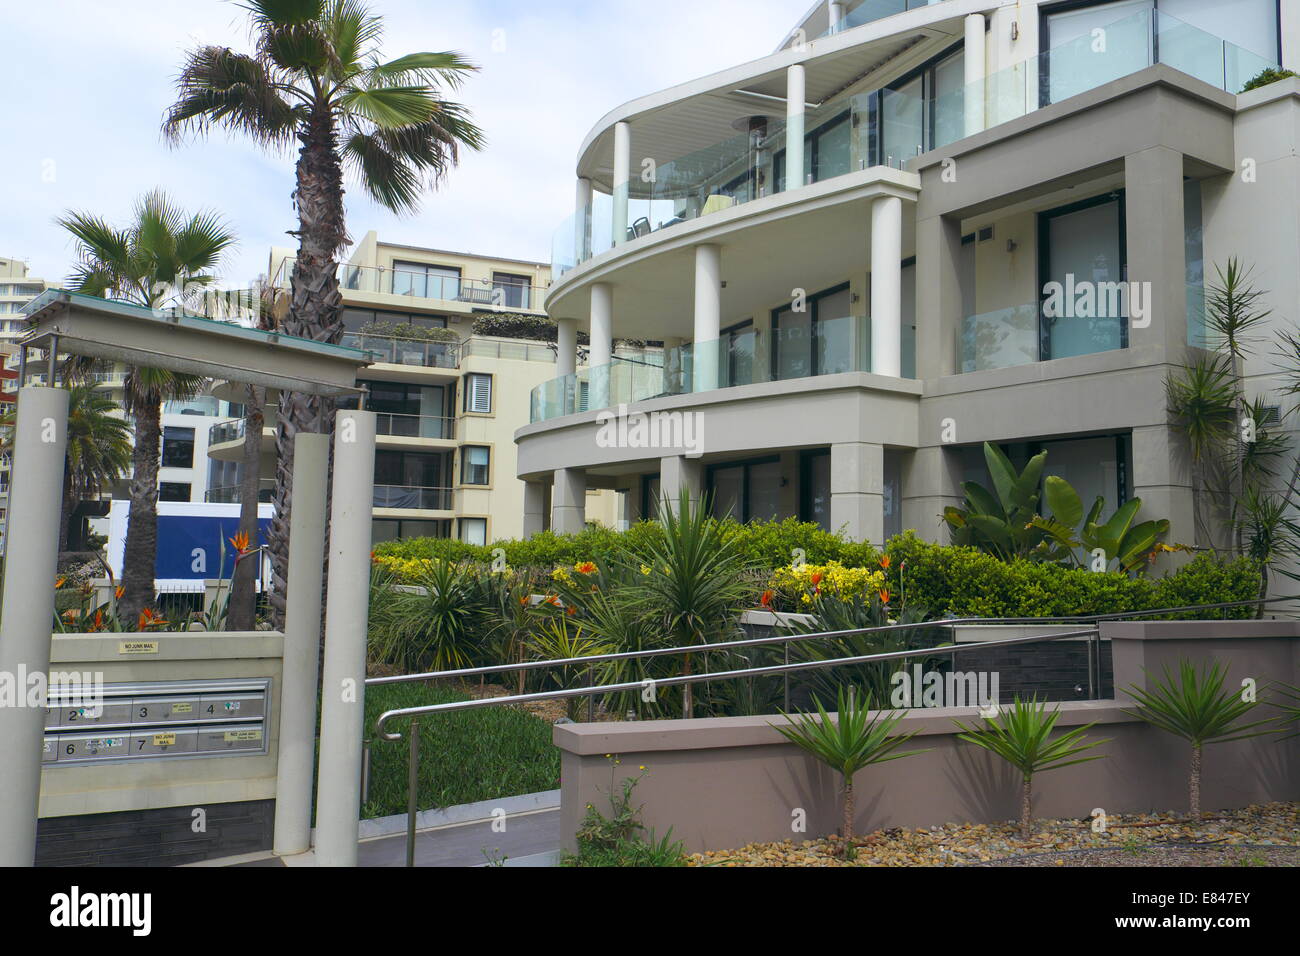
[[786, 677], [412, 788], [591, 698]]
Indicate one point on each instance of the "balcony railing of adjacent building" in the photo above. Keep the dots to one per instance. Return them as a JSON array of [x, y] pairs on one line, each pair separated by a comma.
[[412, 497], [384, 349], [505, 296], [399, 425], [754, 356], [869, 11], [227, 431], [232, 494], [887, 127]]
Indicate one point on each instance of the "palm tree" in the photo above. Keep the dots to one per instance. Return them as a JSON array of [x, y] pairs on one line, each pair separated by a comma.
[[149, 263], [315, 76], [98, 452]]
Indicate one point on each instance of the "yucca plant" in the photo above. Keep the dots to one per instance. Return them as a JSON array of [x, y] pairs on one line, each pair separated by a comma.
[[1196, 707], [559, 638], [1022, 736], [854, 739], [439, 622], [1289, 719]]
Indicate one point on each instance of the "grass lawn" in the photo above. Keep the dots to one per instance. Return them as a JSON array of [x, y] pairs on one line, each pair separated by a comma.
[[465, 756]]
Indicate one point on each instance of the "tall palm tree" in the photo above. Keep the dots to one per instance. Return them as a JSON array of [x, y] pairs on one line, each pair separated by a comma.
[[98, 452], [149, 263], [315, 76]]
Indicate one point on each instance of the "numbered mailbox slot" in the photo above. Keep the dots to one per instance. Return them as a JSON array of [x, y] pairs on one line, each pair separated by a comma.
[[50, 751], [153, 710], [101, 713], [231, 737], [157, 741], [93, 746], [233, 706]]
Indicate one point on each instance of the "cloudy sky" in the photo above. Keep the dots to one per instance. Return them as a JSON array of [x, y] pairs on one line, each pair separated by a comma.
[[84, 85]]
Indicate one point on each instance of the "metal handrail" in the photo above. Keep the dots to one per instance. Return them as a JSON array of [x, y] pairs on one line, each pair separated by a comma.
[[770, 669], [791, 638]]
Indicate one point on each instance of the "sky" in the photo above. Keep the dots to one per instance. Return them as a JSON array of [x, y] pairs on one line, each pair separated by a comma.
[[84, 85]]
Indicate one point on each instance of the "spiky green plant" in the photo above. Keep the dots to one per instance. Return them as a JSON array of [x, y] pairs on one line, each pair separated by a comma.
[[855, 738], [1196, 707], [1022, 736], [1289, 719], [437, 623]]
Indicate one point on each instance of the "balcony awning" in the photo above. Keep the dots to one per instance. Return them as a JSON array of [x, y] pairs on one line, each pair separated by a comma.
[[76, 324]]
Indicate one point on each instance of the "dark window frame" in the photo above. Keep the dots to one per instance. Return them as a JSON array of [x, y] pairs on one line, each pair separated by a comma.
[[173, 441], [745, 464], [814, 321]]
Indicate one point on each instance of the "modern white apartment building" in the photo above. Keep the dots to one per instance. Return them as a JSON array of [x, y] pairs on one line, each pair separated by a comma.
[[847, 249], [448, 400], [17, 288]]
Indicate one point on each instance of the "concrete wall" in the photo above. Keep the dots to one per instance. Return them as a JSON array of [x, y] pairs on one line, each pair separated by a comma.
[[721, 783]]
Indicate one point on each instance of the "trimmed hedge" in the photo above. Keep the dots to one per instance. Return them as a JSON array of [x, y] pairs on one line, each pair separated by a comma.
[[944, 579]]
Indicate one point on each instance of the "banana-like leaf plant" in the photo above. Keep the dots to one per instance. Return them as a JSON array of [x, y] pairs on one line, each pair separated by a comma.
[[854, 739], [1196, 707], [1000, 521], [1020, 735], [1118, 539]]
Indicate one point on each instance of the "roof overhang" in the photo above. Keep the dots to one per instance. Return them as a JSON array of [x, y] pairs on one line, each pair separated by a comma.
[[76, 324]]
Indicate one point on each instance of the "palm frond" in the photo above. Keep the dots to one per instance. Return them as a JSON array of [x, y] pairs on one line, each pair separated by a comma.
[[218, 86]]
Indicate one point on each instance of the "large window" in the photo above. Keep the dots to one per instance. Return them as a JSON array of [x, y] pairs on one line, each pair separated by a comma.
[[747, 491], [815, 341], [474, 467], [406, 479], [815, 488], [922, 110], [426, 281], [511, 291], [1082, 271], [173, 491], [178, 448], [410, 411], [473, 530], [738, 340], [354, 320]]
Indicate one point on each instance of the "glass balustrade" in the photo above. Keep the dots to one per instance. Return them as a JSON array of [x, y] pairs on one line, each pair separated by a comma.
[[412, 497], [418, 284], [869, 11], [392, 351], [399, 425], [999, 338], [828, 346]]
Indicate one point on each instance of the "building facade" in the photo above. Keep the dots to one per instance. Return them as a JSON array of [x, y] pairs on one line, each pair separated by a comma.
[[914, 228], [448, 400]]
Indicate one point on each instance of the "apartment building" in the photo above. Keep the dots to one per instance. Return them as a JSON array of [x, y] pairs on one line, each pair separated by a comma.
[[856, 251], [17, 288], [448, 400]]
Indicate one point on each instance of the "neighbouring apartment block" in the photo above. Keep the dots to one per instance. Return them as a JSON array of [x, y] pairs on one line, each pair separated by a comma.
[[914, 228], [448, 400]]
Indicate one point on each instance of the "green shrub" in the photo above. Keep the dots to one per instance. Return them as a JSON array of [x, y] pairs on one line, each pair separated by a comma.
[[1265, 77]]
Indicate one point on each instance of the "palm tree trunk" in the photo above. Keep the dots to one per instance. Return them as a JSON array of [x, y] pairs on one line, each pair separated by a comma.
[[1026, 807], [315, 312], [846, 826], [140, 555], [65, 514], [242, 609], [1194, 783]]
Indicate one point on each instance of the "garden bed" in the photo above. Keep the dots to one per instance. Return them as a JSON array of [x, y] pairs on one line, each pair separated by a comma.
[[1267, 835]]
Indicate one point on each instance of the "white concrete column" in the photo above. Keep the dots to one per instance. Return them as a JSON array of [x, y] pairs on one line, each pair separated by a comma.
[[566, 345], [708, 316], [622, 173], [794, 126], [678, 473], [601, 349], [582, 221], [534, 508], [858, 491], [301, 645], [836, 11], [887, 286], [569, 501], [343, 688], [32, 544], [974, 60]]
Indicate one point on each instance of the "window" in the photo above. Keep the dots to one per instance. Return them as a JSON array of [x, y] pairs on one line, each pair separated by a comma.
[[747, 491], [178, 448], [817, 341], [474, 465], [392, 529], [1082, 268], [815, 488], [473, 530], [738, 341], [426, 281], [478, 393], [512, 291], [173, 491], [410, 411], [412, 480]]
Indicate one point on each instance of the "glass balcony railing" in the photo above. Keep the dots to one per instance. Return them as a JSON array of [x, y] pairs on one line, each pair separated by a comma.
[[412, 497], [384, 349], [889, 126], [999, 339], [398, 425], [417, 284], [869, 11], [223, 432], [839, 345], [232, 494]]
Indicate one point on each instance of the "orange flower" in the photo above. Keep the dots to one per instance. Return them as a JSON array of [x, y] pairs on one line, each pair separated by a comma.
[[240, 543], [71, 614], [118, 592], [149, 618], [552, 600], [884, 561], [884, 597], [586, 567], [766, 599], [816, 578], [523, 602], [571, 610], [99, 621], [59, 582]]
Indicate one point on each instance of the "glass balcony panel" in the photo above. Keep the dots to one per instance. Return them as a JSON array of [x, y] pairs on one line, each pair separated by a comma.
[[999, 339]]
